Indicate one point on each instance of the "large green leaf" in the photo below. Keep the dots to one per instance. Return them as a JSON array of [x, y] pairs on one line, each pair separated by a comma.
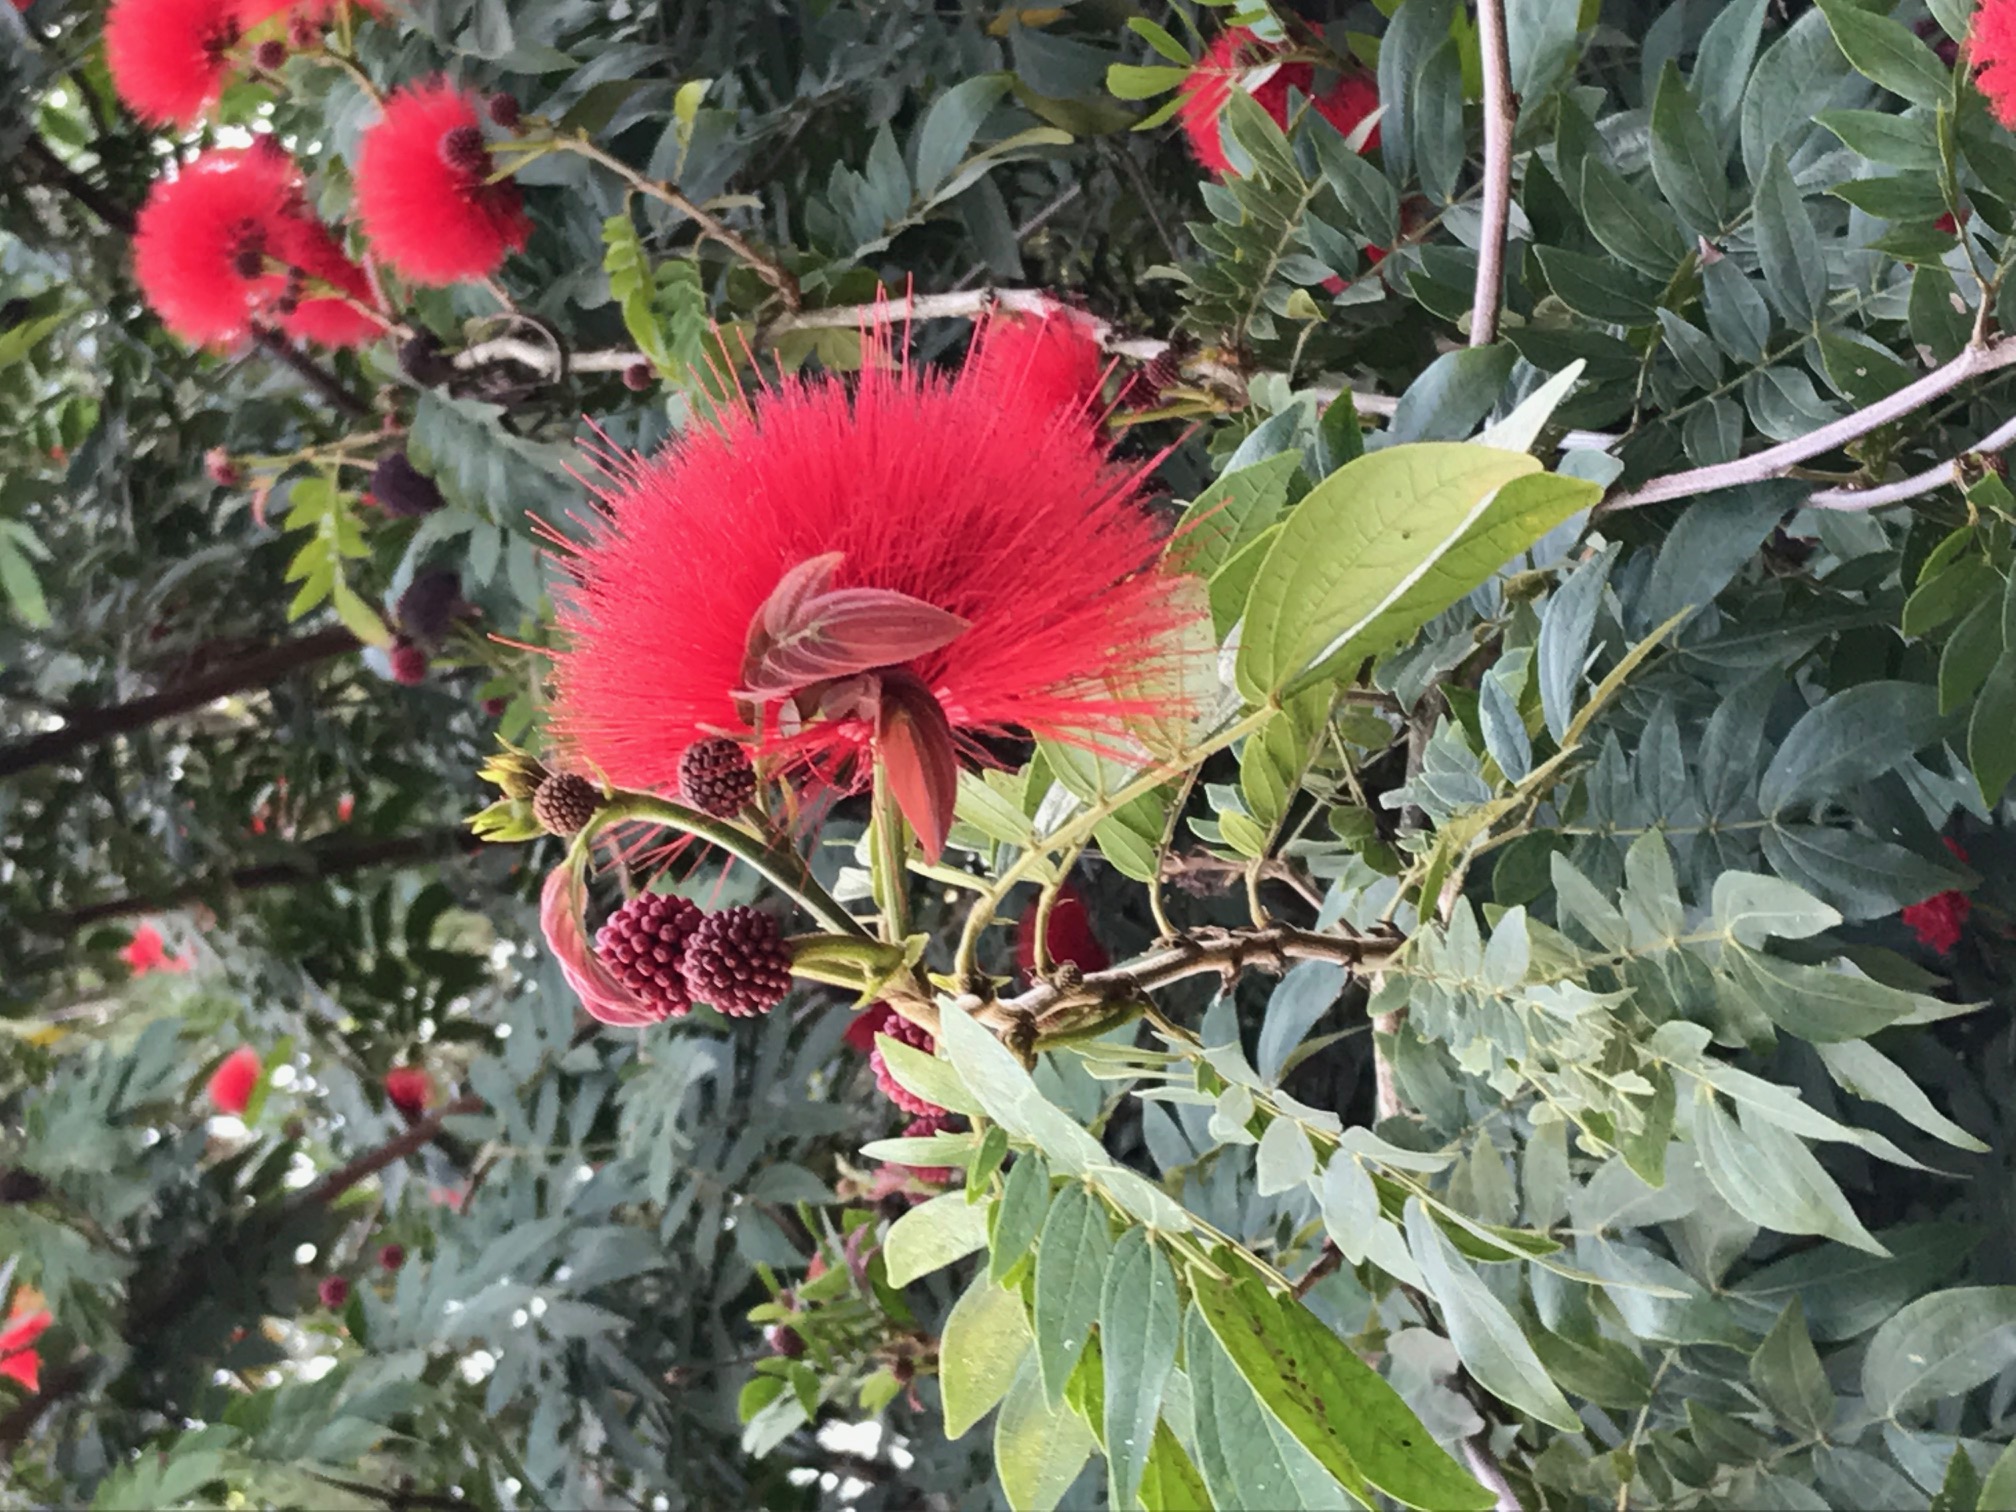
[[1886, 52], [1384, 545], [1250, 1461], [985, 1339], [1171, 1482], [1140, 1315], [1336, 1405], [1070, 1272], [1939, 1346], [1038, 1449], [933, 1235], [1857, 734]]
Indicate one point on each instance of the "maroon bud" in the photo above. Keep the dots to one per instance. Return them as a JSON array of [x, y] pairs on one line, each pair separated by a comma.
[[462, 149], [391, 1257], [248, 257], [409, 663], [401, 489], [270, 56], [503, 110], [495, 707], [222, 471], [784, 1341], [426, 610], [638, 377], [302, 33], [334, 1292]]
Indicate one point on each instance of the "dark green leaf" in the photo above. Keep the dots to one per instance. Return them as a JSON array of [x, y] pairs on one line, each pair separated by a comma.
[[1140, 1315], [1859, 733], [1687, 162], [1789, 251], [1991, 730], [1940, 1346], [1070, 1270], [1598, 287], [1886, 52]]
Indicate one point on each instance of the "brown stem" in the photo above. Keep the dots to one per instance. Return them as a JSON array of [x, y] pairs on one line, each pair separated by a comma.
[[312, 373], [1501, 116], [88, 727], [325, 858], [52, 171], [365, 1166], [1205, 873]]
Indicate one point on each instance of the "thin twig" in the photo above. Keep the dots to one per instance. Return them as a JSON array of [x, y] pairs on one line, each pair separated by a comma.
[[1974, 362], [365, 1166], [1918, 483], [1501, 116], [312, 373]]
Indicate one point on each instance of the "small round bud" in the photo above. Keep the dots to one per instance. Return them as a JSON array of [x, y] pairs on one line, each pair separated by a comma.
[[426, 610], [271, 55], [17, 1185], [391, 1257], [462, 149], [334, 1292], [638, 377], [737, 962], [503, 111], [716, 778], [421, 359], [409, 663], [565, 803], [784, 1340], [495, 707], [220, 469], [644, 946], [302, 33], [401, 489]]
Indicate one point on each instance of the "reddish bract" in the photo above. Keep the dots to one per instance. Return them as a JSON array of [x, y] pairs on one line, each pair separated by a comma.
[[964, 497], [409, 1089], [426, 206], [1069, 938], [232, 1082], [169, 59], [1237, 53], [19, 1360]]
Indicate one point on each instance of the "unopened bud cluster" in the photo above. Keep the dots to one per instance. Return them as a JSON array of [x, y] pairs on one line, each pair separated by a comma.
[[672, 955]]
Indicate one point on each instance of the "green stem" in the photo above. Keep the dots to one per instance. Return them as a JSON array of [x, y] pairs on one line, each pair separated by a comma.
[[786, 871], [890, 857]]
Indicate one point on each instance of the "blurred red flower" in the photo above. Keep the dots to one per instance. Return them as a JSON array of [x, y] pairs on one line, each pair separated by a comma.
[[147, 952], [26, 1322], [214, 244], [1235, 55], [893, 570], [1991, 45], [232, 1082], [170, 59], [422, 190], [1069, 938], [1939, 920], [1053, 359], [409, 1089]]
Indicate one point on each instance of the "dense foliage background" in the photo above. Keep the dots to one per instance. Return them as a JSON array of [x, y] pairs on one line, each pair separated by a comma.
[[1666, 1165]]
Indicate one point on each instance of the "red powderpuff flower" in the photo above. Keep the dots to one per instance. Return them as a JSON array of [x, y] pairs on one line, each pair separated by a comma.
[[1991, 45], [213, 245], [1939, 919], [1053, 358], [146, 952], [1235, 55], [889, 571], [27, 1321], [409, 1089], [1068, 939], [170, 59], [232, 1082], [422, 192]]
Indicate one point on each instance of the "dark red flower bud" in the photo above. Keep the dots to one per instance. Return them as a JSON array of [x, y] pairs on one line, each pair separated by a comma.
[[495, 707], [426, 610], [334, 1292], [248, 253], [409, 663], [565, 802], [401, 489], [784, 1341], [644, 947], [462, 149], [638, 376], [391, 1257], [737, 962], [222, 471], [271, 55], [503, 110], [409, 1089], [716, 778]]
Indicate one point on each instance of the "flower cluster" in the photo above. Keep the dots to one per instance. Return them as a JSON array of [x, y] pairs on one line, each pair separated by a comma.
[[843, 573], [147, 951], [1991, 47], [170, 60], [228, 246], [1238, 59], [425, 190], [1939, 920], [659, 956]]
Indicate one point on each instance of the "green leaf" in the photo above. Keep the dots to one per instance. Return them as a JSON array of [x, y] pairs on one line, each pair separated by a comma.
[[1140, 1318], [932, 1235], [1335, 1404], [1025, 1201], [1787, 1373], [1230, 514], [1371, 203], [1629, 226], [986, 1338], [1998, 1490], [1894, 197], [1991, 729], [950, 125], [1798, 74], [21, 584], [1284, 1160], [1787, 249], [1452, 395], [1818, 1005], [1940, 1346], [922, 1073], [1070, 1271], [1771, 1178], [1894, 141], [1566, 627], [1038, 1449], [1722, 63], [1859, 733], [1132, 81], [1866, 1072], [1170, 1482], [1887, 53], [1249, 1460], [1382, 546], [1488, 1339], [1751, 908], [1599, 287]]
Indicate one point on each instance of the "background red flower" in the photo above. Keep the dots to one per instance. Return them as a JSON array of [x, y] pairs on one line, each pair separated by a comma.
[[169, 58], [27, 1321], [409, 1089], [232, 1082], [1991, 44], [422, 193], [146, 952], [1236, 53]]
